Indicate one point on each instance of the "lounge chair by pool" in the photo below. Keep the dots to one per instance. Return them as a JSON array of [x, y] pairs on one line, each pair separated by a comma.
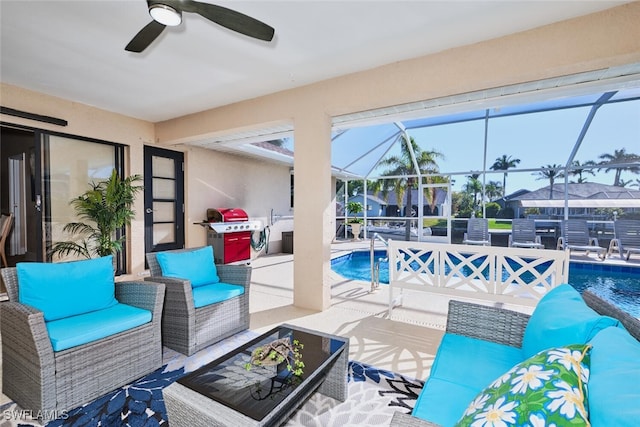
[[523, 234], [477, 232], [575, 236], [627, 238]]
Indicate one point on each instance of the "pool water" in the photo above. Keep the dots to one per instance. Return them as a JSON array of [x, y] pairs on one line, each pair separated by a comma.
[[618, 284]]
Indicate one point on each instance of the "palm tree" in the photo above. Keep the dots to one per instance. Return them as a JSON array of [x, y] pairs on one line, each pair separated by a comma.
[[493, 189], [473, 186], [503, 164], [106, 207], [550, 172], [431, 194], [403, 167], [620, 157], [578, 169]]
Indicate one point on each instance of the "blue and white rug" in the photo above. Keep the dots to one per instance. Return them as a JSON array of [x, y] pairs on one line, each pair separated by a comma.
[[374, 395]]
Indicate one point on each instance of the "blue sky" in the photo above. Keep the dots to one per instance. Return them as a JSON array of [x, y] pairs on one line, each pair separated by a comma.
[[537, 139]]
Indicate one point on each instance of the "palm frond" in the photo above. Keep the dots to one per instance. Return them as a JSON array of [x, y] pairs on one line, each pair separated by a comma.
[[102, 210]]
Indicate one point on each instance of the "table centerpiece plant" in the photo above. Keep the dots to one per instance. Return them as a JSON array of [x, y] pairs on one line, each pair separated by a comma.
[[282, 350]]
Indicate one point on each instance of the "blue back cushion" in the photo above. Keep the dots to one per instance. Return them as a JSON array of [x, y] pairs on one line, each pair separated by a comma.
[[562, 318], [67, 289], [196, 266], [614, 385]]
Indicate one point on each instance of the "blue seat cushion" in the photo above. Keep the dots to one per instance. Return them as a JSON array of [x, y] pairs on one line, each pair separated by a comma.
[[614, 385], [473, 362], [443, 402], [562, 318], [84, 328], [214, 293], [196, 265], [67, 289], [463, 367]]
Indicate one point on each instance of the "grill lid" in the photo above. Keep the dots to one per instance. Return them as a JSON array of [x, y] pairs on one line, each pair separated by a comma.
[[226, 215]]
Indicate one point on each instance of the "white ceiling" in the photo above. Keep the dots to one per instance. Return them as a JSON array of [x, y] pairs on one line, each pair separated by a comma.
[[75, 49]]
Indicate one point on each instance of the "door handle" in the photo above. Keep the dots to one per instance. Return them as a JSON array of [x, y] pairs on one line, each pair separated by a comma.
[[148, 210]]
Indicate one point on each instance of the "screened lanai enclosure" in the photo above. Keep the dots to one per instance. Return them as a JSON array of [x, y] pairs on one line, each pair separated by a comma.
[[548, 150], [573, 154]]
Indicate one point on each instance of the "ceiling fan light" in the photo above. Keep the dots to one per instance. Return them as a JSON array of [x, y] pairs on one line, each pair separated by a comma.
[[165, 15]]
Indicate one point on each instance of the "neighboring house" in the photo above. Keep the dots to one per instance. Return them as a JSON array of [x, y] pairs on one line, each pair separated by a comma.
[[583, 200], [375, 206], [511, 200], [427, 208]]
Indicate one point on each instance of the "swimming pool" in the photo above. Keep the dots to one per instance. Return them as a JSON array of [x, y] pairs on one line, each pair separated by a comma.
[[618, 284]]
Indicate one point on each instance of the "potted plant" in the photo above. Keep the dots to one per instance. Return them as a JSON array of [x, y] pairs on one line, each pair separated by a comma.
[[279, 351], [355, 222], [104, 208]]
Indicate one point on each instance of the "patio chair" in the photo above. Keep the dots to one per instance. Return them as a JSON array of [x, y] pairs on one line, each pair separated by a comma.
[[477, 232], [627, 237], [204, 302], [70, 334], [523, 234], [575, 236], [5, 228]]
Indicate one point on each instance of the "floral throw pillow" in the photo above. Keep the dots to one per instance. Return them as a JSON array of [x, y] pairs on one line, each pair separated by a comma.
[[548, 389]]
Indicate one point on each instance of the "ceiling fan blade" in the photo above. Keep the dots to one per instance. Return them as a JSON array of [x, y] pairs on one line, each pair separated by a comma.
[[145, 37], [232, 20]]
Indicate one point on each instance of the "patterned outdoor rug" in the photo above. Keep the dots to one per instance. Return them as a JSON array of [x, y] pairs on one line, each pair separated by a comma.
[[374, 395]]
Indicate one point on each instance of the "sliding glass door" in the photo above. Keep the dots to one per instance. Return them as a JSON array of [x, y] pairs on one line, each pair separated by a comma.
[[68, 166]]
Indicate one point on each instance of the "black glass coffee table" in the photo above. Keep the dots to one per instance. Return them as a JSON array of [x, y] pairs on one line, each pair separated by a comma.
[[226, 392]]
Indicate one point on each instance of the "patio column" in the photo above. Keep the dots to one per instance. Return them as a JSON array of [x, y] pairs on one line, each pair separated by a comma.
[[313, 215]]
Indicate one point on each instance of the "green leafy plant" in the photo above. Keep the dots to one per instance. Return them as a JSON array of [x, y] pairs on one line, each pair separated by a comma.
[[277, 352], [492, 209], [103, 209], [354, 208]]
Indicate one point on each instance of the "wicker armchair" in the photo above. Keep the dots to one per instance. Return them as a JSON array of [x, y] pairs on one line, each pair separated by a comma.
[[506, 327], [40, 379], [187, 329]]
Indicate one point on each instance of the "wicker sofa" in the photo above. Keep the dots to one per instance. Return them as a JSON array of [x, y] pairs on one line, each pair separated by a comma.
[[187, 328], [42, 379], [613, 388]]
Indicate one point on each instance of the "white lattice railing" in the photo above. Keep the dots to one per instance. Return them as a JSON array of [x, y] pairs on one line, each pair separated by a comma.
[[513, 275]]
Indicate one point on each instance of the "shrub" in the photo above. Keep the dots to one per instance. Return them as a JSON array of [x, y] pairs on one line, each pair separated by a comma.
[[491, 209]]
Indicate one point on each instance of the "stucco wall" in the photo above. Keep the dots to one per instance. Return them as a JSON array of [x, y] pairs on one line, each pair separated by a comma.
[[220, 180], [212, 179]]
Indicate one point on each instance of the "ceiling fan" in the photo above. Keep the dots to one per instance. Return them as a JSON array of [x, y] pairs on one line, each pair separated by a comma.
[[169, 13]]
